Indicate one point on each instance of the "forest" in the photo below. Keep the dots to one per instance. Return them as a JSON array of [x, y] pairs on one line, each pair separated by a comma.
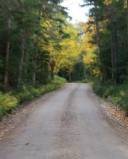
[[38, 43], [107, 62]]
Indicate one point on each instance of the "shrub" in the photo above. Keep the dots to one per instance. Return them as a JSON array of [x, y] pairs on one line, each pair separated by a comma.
[[24, 94], [11, 100], [7, 103], [117, 93]]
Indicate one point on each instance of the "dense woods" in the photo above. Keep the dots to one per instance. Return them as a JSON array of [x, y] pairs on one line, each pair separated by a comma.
[[107, 31], [43, 49], [33, 38], [108, 27], [29, 28], [37, 42]]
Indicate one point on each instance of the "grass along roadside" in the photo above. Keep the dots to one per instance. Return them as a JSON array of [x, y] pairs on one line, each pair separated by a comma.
[[10, 101], [115, 94]]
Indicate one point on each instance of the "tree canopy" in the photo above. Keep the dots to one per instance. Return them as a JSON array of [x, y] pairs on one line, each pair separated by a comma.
[[36, 41], [107, 29]]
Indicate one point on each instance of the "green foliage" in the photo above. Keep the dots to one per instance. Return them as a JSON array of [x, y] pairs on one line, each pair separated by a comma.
[[7, 103], [108, 29], [10, 101], [27, 93], [117, 94], [36, 42], [31, 32], [107, 56]]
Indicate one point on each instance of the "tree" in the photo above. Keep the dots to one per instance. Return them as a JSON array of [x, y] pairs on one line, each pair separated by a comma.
[[110, 38], [28, 28]]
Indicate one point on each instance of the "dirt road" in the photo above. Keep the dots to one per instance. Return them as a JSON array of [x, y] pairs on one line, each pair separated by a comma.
[[68, 124]]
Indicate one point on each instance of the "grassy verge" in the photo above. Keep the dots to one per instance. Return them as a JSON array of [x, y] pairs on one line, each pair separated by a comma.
[[12, 100], [116, 94]]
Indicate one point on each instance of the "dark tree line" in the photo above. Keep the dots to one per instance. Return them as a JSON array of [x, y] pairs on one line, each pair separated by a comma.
[[110, 18], [27, 28]]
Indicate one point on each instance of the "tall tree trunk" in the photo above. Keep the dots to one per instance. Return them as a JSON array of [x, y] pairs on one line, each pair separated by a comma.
[[22, 59], [70, 75], [34, 78], [7, 55], [52, 67], [98, 34], [34, 73], [97, 25], [127, 21], [114, 52]]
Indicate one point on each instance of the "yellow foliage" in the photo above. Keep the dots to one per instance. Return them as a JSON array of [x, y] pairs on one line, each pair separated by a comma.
[[108, 2], [96, 72], [88, 59]]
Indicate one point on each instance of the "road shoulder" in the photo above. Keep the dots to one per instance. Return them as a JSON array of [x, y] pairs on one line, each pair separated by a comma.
[[116, 118], [21, 114]]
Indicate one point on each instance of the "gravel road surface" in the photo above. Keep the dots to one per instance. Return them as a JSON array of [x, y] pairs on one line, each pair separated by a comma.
[[68, 124]]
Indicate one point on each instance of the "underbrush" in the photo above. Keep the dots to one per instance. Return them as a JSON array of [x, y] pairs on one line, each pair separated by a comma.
[[10, 101], [116, 94]]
